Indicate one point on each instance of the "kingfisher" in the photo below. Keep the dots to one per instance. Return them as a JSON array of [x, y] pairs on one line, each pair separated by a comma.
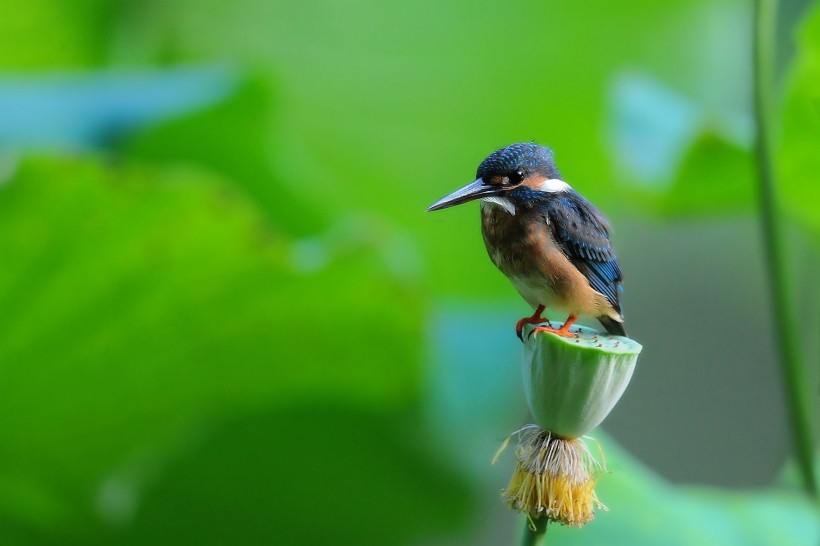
[[551, 242]]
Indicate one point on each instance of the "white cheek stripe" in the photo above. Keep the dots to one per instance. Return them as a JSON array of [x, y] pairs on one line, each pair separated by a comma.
[[553, 185], [505, 204]]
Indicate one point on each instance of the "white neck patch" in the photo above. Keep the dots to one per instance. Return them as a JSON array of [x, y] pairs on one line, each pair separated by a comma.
[[553, 185], [502, 202]]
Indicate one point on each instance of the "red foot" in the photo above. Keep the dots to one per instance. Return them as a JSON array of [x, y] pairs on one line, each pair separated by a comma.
[[563, 331], [534, 319]]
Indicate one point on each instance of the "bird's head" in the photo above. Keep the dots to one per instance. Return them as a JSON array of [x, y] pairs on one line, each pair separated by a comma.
[[509, 177]]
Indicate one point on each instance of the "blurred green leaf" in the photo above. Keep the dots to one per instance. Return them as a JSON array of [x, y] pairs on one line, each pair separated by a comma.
[[234, 138], [309, 475], [55, 34], [76, 110], [644, 509], [715, 177], [678, 156], [799, 160], [650, 127], [139, 301]]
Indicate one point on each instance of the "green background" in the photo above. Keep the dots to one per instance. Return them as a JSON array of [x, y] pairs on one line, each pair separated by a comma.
[[227, 319]]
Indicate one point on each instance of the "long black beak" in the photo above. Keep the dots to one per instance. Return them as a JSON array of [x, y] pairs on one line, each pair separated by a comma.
[[473, 190]]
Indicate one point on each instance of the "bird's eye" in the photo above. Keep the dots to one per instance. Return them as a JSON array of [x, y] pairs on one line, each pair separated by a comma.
[[516, 177]]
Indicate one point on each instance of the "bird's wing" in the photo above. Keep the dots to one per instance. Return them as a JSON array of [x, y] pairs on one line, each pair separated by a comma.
[[582, 232]]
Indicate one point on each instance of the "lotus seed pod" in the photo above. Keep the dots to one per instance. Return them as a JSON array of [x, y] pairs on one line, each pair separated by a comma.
[[572, 384]]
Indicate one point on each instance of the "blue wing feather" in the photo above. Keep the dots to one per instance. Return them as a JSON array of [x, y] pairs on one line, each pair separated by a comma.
[[582, 232]]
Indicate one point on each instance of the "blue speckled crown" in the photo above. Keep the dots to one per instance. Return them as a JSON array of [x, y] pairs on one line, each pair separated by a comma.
[[528, 156]]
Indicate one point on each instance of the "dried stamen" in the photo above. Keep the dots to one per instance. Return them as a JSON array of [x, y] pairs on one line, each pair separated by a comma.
[[554, 478]]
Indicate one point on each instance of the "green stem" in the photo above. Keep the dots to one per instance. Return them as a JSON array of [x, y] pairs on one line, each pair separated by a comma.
[[532, 538], [795, 378]]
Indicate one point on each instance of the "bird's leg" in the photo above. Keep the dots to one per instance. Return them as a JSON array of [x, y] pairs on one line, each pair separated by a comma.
[[534, 319], [563, 331]]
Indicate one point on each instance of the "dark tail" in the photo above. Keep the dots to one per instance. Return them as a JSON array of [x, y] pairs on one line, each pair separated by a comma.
[[612, 326]]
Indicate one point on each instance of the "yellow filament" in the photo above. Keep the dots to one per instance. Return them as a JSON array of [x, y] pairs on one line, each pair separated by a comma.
[[553, 478]]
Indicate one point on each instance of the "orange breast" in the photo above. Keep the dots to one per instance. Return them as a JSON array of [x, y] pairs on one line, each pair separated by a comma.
[[522, 247]]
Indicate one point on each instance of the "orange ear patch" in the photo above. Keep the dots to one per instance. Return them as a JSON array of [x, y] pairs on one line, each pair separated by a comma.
[[534, 182]]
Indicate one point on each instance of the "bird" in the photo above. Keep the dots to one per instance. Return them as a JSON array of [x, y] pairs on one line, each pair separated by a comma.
[[551, 242]]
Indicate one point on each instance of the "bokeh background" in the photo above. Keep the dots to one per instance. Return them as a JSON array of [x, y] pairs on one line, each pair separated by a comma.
[[226, 318]]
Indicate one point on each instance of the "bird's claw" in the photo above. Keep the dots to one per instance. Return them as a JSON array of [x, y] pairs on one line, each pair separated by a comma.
[[534, 319], [519, 327], [563, 331]]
